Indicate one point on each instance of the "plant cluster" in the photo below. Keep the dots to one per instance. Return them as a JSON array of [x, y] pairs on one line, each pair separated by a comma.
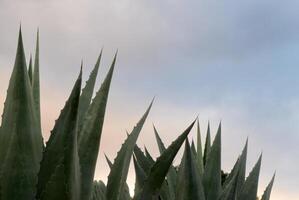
[[64, 167]]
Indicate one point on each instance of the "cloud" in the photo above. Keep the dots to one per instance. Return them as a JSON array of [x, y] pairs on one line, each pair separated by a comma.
[[231, 61]]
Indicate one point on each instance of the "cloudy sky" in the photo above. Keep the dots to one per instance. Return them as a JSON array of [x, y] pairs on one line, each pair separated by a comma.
[[234, 61]]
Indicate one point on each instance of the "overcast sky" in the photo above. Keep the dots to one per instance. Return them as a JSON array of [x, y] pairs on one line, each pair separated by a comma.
[[234, 61]]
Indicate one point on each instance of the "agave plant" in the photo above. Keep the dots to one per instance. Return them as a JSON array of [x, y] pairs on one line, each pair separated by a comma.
[[63, 168], [199, 175]]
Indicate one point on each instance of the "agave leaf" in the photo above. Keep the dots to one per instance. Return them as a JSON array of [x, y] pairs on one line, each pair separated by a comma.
[[126, 192], [108, 162], [143, 161], [98, 191], [125, 195], [35, 82], [59, 175], [20, 139], [249, 189], [267, 192], [140, 176], [199, 151], [89, 142], [159, 170], [193, 149], [119, 171], [146, 162], [189, 184], [232, 173], [160, 143], [207, 145], [164, 192], [212, 174], [240, 169], [229, 191], [87, 92], [30, 73], [171, 175], [165, 189], [148, 155]]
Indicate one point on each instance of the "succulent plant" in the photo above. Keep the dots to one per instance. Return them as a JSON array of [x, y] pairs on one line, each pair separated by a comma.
[[195, 178], [64, 167]]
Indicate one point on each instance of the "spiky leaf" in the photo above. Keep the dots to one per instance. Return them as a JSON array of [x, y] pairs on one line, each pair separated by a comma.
[[119, 171], [148, 155], [87, 92], [193, 149], [159, 170], [249, 189], [35, 82], [207, 145], [125, 194], [59, 176], [240, 169], [108, 161], [160, 143], [89, 142], [140, 176], [212, 171], [171, 175], [143, 161], [98, 191], [199, 151], [267, 192], [20, 139], [229, 191], [30, 72], [189, 184]]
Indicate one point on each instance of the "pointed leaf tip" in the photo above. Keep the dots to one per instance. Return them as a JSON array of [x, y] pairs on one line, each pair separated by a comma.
[[91, 131], [268, 190], [119, 171], [189, 184], [161, 167], [81, 67], [19, 136], [212, 170], [250, 187], [20, 42]]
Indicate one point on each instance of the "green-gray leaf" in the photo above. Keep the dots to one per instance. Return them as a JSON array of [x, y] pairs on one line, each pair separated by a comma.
[[126, 192], [207, 145], [87, 92], [119, 171], [89, 142], [189, 184], [20, 140], [240, 169], [35, 82], [98, 191], [249, 189], [159, 170], [199, 151], [30, 72], [229, 191], [212, 171], [171, 175], [267, 192], [140, 176], [59, 176], [143, 161]]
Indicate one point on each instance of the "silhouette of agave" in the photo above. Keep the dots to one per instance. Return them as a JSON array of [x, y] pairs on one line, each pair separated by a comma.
[[64, 168]]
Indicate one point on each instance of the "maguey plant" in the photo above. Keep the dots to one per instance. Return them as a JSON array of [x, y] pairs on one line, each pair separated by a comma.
[[63, 168]]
